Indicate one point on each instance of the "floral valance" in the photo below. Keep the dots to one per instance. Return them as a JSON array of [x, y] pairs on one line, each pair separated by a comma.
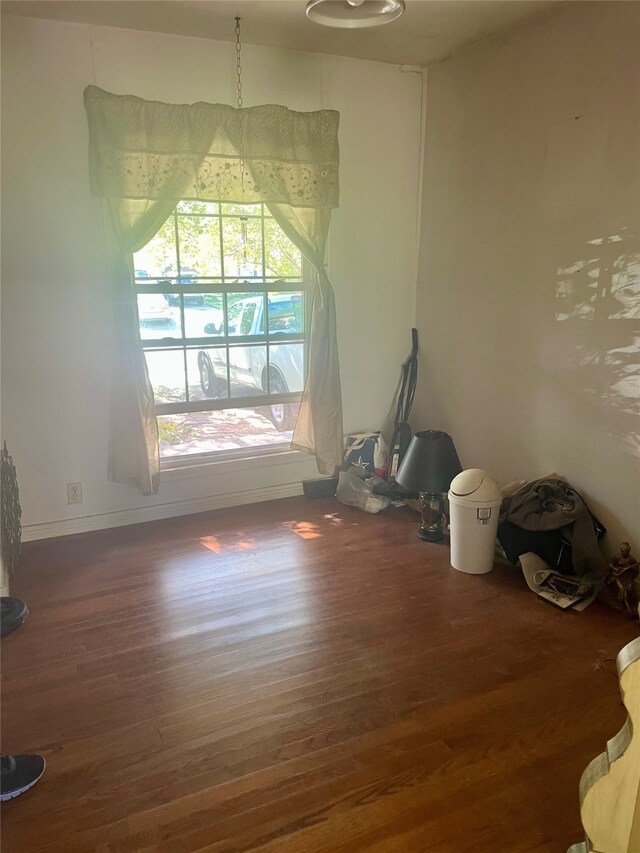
[[213, 152]]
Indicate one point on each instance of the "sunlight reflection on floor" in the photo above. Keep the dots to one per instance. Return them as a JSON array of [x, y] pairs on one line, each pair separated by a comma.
[[303, 529], [236, 589]]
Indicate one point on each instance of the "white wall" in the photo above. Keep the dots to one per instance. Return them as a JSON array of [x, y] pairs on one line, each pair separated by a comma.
[[54, 289], [530, 218]]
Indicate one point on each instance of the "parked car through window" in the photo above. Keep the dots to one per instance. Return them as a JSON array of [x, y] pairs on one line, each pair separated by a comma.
[[222, 305]]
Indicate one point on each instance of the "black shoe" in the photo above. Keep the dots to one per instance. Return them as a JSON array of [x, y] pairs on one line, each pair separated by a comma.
[[13, 612], [18, 773]]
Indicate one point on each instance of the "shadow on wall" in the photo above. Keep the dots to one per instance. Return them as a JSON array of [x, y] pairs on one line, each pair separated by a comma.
[[597, 293]]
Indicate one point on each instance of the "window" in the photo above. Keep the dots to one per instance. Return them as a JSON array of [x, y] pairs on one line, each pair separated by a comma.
[[222, 310]]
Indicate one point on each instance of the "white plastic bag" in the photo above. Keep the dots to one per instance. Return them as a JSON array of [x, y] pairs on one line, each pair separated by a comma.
[[354, 490]]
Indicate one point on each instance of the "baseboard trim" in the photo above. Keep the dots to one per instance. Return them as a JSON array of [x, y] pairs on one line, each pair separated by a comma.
[[86, 523]]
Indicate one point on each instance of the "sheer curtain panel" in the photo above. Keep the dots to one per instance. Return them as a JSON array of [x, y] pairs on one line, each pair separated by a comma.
[[145, 157]]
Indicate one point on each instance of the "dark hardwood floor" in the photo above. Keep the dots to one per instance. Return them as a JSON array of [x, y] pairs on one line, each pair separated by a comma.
[[297, 676]]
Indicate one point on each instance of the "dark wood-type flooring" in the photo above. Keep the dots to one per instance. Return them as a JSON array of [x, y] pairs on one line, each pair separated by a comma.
[[297, 676]]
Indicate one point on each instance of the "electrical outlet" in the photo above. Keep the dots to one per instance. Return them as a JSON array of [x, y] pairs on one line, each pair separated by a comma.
[[74, 493]]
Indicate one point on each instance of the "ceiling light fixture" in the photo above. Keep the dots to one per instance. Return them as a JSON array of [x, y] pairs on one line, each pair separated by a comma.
[[351, 14]]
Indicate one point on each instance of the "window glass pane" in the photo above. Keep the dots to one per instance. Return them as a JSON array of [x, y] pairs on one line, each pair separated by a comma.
[[229, 209], [172, 277], [242, 247], [199, 238], [203, 315], [246, 369], [286, 368], [283, 416], [166, 373], [281, 256], [249, 316], [143, 279], [231, 429], [214, 300], [286, 312], [245, 313], [194, 300], [157, 317], [159, 254], [207, 373], [194, 206], [255, 249]]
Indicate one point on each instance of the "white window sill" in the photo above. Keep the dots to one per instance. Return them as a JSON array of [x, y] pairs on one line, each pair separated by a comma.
[[185, 468]]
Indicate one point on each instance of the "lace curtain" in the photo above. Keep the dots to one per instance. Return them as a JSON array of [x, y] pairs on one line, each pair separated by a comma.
[[144, 157]]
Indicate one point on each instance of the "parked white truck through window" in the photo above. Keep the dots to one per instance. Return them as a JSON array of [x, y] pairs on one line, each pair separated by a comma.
[[248, 366]]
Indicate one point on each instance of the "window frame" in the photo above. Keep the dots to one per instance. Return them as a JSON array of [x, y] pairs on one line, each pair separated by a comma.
[[223, 285]]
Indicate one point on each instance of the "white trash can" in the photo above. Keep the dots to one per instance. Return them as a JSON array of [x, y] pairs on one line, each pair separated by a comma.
[[474, 507]]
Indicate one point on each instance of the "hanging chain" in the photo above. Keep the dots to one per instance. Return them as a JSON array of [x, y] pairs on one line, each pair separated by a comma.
[[239, 97], [238, 63]]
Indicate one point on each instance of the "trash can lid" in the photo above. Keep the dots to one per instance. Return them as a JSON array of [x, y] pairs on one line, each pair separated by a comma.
[[475, 484]]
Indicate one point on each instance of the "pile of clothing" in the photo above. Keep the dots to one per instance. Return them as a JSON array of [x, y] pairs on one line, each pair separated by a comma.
[[548, 517]]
